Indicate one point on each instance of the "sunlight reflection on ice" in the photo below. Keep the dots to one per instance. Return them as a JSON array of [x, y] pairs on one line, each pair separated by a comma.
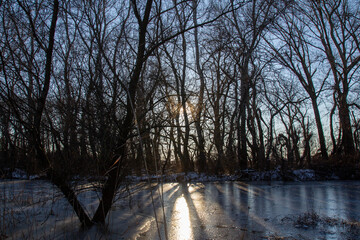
[[181, 220]]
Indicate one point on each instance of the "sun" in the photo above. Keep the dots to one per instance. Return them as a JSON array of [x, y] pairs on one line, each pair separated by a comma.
[[176, 109]]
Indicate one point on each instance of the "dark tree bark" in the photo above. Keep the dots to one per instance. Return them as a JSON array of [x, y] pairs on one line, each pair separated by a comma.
[[199, 109], [244, 96]]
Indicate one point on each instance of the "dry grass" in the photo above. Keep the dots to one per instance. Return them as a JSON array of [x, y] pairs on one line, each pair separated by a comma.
[[351, 224], [313, 220], [309, 219]]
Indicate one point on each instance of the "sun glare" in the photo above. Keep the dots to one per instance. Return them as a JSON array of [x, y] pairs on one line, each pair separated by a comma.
[[175, 108], [181, 220]]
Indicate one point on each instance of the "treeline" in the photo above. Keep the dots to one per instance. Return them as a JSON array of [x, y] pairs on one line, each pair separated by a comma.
[[92, 86]]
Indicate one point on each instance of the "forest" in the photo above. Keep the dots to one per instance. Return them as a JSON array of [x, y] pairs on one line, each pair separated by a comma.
[[111, 88], [178, 85]]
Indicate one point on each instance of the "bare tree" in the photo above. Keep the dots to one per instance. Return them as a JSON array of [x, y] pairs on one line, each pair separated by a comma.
[[297, 54], [337, 28]]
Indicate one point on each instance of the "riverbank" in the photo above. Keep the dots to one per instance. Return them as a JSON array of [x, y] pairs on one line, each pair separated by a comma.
[[320, 173]]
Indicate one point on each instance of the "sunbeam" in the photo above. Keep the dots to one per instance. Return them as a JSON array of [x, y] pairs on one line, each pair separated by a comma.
[[181, 220]]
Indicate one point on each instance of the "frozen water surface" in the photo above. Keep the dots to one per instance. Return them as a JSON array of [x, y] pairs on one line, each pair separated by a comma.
[[223, 210]]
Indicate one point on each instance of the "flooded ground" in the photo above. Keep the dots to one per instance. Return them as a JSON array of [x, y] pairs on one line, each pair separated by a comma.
[[224, 210]]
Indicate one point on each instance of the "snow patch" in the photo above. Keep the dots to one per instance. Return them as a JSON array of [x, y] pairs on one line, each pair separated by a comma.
[[304, 174], [242, 175], [19, 174]]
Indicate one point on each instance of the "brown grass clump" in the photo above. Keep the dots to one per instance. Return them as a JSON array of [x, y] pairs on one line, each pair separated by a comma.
[[309, 219]]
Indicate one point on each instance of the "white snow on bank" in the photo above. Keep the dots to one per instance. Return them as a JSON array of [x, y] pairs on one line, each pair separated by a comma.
[[304, 174], [243, 175], [19, 174], [189, 177]]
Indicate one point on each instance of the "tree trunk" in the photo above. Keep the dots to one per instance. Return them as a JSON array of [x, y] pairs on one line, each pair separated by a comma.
[[345, 123], [244, 92], [201, 141], [320, 131], [59, 181], [261, 153]]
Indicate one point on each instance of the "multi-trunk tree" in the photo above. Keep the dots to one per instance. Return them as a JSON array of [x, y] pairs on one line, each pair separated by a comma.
[[336, 27]]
